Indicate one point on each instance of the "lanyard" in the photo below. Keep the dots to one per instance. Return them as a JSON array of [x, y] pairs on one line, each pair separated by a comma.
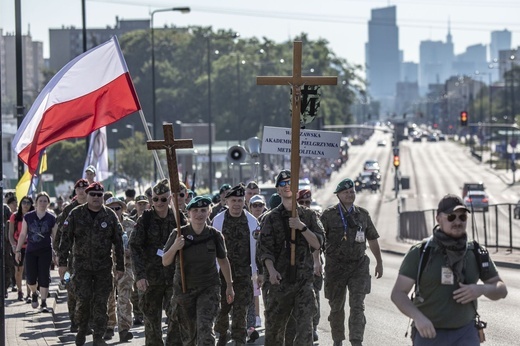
[[345, 224]]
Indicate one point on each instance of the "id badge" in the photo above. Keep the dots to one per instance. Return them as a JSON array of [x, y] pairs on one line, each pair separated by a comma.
[[447, 276], [360, 236]]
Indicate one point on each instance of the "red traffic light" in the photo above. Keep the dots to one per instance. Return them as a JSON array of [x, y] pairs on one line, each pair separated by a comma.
[[463, 118], [397, 161]]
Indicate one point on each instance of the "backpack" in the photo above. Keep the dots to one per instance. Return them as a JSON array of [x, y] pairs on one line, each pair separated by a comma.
[[481, 255]]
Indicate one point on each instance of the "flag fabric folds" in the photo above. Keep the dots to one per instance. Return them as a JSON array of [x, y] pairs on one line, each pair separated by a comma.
[[91, 91], [97, 155]]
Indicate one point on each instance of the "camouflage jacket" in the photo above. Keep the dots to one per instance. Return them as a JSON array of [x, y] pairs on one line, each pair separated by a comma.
[[60, 219], [91, 240]]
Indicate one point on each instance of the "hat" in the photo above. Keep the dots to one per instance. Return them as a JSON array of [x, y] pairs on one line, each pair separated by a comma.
[[304, 194], [450, 203], [95, 186], [115, 200], [345, 184], [216, 198], [148, 192], [257, 199], [191, 193], [59, 199], [224, 187], [252, 185], [199, 202], [81, 183], [275, 200], [141, 198], [91, 169], [285, 174], [237, 191], [162, 187]]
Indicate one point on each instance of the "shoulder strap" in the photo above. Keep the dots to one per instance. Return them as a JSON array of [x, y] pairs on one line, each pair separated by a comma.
[[482, 257], [424, 253]]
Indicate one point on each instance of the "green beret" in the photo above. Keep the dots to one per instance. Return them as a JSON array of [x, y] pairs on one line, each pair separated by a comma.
[[199, 202], [162, 187], [285, 174], [237, 191], [345, 184]]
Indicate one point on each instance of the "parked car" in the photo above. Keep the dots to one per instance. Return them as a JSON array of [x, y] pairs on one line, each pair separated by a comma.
[[477, 200], [516, 211]]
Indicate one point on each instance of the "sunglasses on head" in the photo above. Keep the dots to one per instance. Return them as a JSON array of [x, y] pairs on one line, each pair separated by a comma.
[[307, 203], [95, 194], [115, 208], [462, 217], [257, 205], [163, 199], [284, 183]]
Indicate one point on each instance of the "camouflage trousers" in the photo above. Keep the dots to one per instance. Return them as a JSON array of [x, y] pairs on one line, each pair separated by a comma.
[[124, 305], [355, 277], [290, 329], [195, 312], [152, 302], [92, 289], [243, 287], [288, 300]]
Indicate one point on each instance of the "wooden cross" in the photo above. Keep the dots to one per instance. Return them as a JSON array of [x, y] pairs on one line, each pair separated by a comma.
[[296, 81], [170, 144]]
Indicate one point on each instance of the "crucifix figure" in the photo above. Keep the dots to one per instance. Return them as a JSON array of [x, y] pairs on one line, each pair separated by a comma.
[[296, 81], [170, 144]]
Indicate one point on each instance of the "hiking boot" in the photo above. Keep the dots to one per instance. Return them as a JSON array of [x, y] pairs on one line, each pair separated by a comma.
[[356, 343], [252, 335], [80, 338], [98, 340], [34, 303], [108, 334], [223, 339], [315, 335], [125, 335]]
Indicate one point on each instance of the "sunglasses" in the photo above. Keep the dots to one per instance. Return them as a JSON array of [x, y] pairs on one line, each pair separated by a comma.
[[257, 205], [26, 202], [115, 208], [284, 183], [462, 217], [95, 194], [181, 194], [307, 203], [163, 199]]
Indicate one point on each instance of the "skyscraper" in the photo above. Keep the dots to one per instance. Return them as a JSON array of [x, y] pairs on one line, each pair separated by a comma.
[[382, 55], [500, 40]]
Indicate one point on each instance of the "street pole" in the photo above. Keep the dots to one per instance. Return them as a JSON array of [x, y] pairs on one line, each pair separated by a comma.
[[210, 132], [154, 116]]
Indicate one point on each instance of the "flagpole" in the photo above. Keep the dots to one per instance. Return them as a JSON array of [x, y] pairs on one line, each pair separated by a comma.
[[149, 137]]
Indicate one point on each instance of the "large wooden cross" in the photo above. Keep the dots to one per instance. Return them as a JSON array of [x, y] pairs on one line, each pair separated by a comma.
[[296, 81], [170, 144]]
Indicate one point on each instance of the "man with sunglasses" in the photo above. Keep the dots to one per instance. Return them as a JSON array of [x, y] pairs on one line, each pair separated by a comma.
[[91, 231], [221, 206], [444, 307], [153, 280], [289, 290], [348, 228]]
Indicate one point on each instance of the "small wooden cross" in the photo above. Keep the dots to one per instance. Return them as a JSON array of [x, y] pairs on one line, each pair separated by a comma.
[[170, 144], [296, 81]]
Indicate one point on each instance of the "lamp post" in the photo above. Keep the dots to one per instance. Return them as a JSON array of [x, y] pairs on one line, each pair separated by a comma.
[[513, 110], [132, 129], [154, 122]]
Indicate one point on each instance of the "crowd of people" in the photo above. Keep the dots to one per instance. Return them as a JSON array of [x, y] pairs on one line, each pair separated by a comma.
[[198, 273]]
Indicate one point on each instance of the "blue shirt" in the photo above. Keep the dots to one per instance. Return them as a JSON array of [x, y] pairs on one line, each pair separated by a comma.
[[39, 230]]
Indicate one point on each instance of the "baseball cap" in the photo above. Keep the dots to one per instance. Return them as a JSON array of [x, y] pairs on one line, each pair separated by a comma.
[[450, 203]]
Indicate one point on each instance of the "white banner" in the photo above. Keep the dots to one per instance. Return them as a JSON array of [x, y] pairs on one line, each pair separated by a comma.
[[277, 140]]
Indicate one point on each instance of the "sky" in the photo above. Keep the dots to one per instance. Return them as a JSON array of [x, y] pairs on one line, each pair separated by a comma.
[[343, 23]]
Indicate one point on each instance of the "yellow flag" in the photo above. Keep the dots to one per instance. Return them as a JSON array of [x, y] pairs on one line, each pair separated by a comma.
[[23, 186], [43, 164]]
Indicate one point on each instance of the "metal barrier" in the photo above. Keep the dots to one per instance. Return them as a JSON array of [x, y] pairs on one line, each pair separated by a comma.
[[495, 228]]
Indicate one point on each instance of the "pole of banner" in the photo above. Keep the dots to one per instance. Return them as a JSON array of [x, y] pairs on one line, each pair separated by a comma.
[[149, 138]]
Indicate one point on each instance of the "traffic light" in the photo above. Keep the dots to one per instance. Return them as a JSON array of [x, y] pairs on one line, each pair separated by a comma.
[[397, 161], [463, 118]]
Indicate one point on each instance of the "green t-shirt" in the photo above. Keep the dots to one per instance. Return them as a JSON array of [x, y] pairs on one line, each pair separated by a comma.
[[439, 305]]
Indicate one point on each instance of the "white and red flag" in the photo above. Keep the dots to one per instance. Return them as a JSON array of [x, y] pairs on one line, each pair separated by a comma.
[[91, 91]]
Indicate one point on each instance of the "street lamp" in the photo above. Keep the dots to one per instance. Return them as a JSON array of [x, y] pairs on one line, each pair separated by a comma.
[[154, 122], [132, 129]]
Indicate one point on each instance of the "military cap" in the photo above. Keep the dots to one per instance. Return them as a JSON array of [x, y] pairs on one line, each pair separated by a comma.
[[224, 187], [115, 200], [252, 185], [148, 192], [81, 183], [162, 187], [95, 186], [275, 200], [191, 193], [304, 194], [199, 202], [284, 174], [141, 198], [91, 169], [216, 198], [345, 184], [237, 191]]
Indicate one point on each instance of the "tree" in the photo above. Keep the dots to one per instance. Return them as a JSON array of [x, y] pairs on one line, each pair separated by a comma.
[[134, 159], [66, 160]]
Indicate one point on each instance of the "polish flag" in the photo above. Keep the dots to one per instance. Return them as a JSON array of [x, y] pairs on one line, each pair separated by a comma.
[[93, 90]]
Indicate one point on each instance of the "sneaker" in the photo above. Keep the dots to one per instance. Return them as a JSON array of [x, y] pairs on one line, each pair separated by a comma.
[[20, 296], [43, 306], [252, 335], [315, 336], [80, 338], [34, 303], [258, 322], [28, 299], [14, 289]]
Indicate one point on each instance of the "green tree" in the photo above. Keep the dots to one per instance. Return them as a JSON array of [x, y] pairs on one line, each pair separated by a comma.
[[134, 159], [65, 160]]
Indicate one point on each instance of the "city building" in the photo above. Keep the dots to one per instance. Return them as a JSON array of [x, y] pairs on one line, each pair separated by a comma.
[[436, 59], [500, 40]]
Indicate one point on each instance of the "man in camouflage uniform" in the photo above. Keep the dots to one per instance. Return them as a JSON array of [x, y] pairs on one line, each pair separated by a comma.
[[221, 206], [80, 198], [153, 280], [237, 226], [123, 285], [90, 231], [141, 204], [289, 289], [347, 229]]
